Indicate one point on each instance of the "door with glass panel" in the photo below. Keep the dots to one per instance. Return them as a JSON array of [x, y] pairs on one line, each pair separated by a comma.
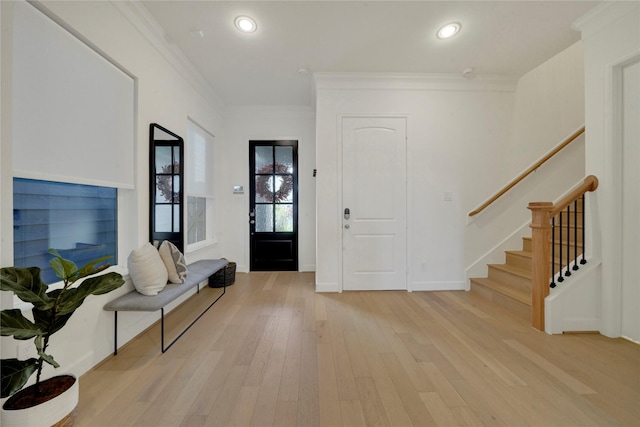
[[273, 215]]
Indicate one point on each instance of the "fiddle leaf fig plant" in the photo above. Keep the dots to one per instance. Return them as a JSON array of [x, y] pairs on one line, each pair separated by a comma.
[[51, 310]]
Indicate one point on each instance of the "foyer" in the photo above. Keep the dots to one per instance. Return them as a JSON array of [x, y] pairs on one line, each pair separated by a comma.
[[275, 353]]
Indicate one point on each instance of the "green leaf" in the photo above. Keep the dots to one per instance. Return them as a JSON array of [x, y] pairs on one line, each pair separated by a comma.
[[27, 285], [91, 268], [64, 268], [54, 252], [74, 297], [57, 267], [13, 323], [43, 321], [46, 357], [51, 311], [99, 285], [15, 374], [67, 270]]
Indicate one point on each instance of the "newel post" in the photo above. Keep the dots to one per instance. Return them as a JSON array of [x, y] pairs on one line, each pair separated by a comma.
[[540, 262]]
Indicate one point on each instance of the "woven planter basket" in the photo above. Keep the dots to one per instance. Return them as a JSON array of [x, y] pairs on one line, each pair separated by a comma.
[[224, 277]]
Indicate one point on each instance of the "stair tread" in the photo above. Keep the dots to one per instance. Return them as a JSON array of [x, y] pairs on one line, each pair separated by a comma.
[[563, 240], [505, 289], [513, 270], [571, 242], [525, 254], [529, 254], [507, 283]]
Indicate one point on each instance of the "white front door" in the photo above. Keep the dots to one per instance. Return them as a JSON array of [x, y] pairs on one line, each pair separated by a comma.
[[374, 208]]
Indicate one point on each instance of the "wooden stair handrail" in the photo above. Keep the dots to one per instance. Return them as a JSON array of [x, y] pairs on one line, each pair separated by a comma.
[[541, 215], [590, 183], [524, 174]]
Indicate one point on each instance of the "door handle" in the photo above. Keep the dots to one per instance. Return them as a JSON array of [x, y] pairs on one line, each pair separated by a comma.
[[347, 213]]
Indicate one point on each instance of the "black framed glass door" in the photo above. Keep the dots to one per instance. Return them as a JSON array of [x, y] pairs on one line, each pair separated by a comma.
[[273, 215]]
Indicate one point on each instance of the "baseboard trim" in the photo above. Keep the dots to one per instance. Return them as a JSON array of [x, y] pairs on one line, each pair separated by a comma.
[[438, 286], [328, 287], [307, 268]]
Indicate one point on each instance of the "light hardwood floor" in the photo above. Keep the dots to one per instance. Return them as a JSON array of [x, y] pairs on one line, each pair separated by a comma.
[[272, 352]]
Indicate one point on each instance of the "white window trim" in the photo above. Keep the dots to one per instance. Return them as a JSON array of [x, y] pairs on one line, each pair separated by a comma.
[[210, 238]]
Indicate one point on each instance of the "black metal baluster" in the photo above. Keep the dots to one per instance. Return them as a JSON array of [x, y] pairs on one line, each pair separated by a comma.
[[575, 235], [568, 272], [560, 278], [553, 253], [584, 241]]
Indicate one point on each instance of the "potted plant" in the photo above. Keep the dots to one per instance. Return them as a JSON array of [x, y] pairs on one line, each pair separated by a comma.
[[51, 311]]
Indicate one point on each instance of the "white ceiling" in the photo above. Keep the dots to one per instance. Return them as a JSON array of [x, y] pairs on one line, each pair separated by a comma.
[[261, 68]]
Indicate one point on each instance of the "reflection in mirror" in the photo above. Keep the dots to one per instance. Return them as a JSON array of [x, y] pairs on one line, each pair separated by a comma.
[[166, 151]]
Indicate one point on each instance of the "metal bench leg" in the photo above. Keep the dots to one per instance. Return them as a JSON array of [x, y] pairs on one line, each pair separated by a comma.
[[162, 331], [115, 333], [190, 325], [162, 347]]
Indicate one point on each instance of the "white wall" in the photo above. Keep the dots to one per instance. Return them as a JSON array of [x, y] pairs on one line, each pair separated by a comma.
[[6, 152], [457, 129], [243, 124], [167, 93], [611, 37], [549, 106], [466, 137]]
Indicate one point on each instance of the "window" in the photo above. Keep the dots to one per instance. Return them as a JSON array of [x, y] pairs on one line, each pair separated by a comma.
[[199, 176], [71, 106], [197, 219], [274, 188], [80, 221]]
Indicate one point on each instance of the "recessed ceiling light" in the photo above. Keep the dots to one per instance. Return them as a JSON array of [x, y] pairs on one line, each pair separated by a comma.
[[449, 30], [246, 24]]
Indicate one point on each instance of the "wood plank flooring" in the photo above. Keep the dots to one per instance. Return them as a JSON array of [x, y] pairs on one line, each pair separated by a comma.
[[272, 352]]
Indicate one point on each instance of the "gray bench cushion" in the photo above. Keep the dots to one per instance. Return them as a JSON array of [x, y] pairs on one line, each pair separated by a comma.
[[197, 272]]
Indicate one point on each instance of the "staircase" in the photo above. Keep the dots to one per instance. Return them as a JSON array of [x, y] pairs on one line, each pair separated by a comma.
[[509, 285]]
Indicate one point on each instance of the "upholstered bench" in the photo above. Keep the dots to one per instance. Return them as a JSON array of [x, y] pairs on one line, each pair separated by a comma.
[[197, 272]]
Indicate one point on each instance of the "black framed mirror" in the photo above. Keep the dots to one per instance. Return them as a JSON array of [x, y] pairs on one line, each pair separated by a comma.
[[166, 184]]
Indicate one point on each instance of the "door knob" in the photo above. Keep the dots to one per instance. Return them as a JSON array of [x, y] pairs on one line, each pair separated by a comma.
[[346, 226]]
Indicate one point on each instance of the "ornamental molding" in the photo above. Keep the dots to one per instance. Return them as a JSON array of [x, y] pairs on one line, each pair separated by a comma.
[[413, 81], [148, 27]]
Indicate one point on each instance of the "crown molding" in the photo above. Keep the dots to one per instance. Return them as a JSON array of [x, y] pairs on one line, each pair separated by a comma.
[[135, 12], [271, 112], [603, 15], [415, 81]]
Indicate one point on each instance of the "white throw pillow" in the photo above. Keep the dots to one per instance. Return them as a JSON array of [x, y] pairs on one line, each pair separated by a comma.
[[174, 262], [147, 271]]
